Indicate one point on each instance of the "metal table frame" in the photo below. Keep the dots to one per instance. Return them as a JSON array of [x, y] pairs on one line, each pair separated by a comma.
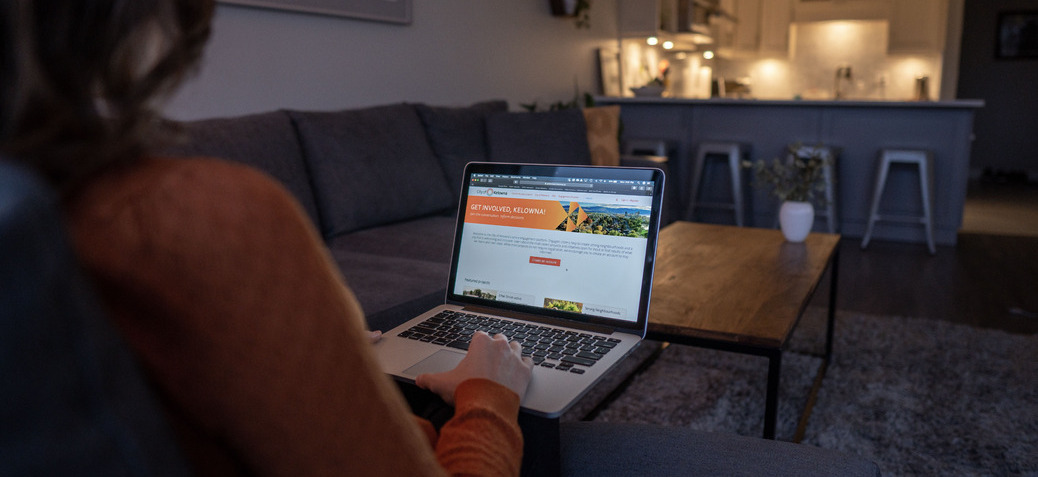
[[774, 356]]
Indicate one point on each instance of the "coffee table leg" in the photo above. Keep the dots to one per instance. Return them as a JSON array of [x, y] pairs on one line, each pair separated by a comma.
[[834, 274], [771, 401]]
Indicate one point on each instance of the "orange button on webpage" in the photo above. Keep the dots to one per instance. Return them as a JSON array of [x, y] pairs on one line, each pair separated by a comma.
[[545, 261]]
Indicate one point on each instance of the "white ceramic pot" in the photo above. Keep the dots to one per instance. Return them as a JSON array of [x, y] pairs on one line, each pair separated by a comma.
[[796, 219]]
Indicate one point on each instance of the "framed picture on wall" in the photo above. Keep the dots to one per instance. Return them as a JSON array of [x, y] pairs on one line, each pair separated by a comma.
[[1017, 35], [393, 11]]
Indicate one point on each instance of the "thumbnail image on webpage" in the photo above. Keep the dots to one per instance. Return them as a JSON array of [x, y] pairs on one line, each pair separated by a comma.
[[576, 252]]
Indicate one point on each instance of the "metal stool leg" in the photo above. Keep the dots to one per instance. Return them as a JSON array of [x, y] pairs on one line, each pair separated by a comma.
[[926, 187], [830, 197], [881, 182], [735, 166], [733, 153], [697, 176], [923, 162]]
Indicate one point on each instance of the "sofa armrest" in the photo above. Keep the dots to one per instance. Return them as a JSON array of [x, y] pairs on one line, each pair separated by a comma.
[[589, 448]]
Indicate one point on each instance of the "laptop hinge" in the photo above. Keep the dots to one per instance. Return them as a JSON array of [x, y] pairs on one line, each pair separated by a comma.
[[547, 320]]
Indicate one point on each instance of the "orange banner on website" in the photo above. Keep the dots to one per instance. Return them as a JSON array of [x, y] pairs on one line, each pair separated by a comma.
[[529, 213]]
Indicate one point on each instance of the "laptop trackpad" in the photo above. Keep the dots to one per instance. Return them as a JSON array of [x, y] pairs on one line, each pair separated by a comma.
[[440, 361]]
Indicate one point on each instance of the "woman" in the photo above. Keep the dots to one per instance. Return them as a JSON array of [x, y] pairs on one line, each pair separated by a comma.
[[259, 356]]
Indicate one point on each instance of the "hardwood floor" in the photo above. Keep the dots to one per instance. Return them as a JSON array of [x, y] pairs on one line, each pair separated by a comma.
[[1001, 208], [987, 280]]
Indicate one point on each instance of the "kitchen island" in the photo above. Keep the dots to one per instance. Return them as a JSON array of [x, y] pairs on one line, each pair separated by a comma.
[[859, 129]]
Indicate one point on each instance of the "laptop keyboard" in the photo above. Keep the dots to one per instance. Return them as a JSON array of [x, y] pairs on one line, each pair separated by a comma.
[[564, 350]]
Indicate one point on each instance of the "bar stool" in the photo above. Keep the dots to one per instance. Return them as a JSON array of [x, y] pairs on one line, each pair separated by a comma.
[[645, 147], [733, 153], [652, 152], [829, 153], [923, 160]]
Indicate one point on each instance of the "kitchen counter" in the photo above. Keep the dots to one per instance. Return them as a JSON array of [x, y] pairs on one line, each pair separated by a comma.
[[859, 129], [958, 103]]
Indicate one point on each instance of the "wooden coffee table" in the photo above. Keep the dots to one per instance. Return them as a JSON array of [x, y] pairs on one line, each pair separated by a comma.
[[740, 289]]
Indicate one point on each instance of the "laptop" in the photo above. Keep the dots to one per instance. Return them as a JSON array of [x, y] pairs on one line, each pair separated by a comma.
[[557, 257]]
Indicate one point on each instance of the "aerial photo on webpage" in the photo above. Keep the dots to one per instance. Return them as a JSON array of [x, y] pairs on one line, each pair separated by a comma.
[[602, 219]]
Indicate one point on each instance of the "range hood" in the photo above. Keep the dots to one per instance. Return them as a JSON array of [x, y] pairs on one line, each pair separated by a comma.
[[693, 17], [685, 22]]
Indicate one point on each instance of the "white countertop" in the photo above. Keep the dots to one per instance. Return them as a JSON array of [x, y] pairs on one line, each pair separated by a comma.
[[958, 103]]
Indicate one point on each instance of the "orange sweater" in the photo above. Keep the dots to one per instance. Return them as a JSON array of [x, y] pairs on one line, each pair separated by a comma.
[[256, 346]]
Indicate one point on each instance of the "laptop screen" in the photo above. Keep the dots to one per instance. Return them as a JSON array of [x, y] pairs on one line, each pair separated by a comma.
[[575, 242]]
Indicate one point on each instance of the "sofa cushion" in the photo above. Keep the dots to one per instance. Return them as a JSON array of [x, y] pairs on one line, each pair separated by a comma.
[[371, 166], [554, 137], [397, 271], [382, 282], [266, 141], [458, 135], [428, 238], [399, 313]]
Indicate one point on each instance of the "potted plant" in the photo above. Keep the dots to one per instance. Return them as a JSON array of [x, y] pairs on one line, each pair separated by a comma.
[[794, 181]]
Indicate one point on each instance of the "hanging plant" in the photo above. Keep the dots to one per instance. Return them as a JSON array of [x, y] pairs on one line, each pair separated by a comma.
[[578, 9]]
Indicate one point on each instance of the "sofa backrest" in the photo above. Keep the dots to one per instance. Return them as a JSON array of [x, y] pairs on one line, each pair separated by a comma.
[[458, 135], [74, 401], [552, 137], [358, 168], [266, 141], [371, 166]]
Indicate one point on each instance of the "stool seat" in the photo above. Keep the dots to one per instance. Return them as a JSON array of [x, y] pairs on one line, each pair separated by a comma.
[[637, 146], [733, 153], [923, 161]]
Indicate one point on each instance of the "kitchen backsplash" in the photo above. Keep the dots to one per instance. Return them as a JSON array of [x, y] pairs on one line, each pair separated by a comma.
[[817, 50]]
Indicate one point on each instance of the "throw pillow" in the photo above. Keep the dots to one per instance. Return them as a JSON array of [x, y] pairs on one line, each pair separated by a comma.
[[603, 130], [370, 167], [551, 137], [457, 135], [266, 141]]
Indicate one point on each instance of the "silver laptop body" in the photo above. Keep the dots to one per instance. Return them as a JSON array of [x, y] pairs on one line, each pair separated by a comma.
[[557, 257]]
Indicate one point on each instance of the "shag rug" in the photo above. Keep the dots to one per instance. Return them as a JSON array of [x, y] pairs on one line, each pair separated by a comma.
[[916, 396]]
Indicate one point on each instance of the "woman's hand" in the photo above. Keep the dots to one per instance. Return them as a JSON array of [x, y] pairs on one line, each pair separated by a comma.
[[374, 336], [491, 358]]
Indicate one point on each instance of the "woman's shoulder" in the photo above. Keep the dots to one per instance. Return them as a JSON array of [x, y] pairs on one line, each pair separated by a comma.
[[201, 176], [186, 206], [194, 188]]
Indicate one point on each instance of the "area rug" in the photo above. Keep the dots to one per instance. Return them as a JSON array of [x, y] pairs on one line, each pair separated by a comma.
[[917, 396]]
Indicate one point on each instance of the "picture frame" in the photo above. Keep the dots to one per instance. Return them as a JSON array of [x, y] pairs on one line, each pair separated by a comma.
[[390, 11], [1017, 35]]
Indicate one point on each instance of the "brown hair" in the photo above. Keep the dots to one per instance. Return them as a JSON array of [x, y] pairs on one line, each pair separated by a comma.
[[81, 78]]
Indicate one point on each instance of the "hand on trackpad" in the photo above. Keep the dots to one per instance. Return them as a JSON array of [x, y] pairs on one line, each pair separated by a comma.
[[440, 361]]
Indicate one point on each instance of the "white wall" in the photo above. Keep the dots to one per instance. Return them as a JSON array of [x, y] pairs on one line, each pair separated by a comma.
[[455, 52]]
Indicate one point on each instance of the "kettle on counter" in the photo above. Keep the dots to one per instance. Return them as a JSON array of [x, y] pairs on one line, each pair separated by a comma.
[[922, 88]]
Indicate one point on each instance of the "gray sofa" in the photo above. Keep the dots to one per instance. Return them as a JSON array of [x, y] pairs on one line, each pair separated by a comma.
[[75, 401], [381, 184]]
